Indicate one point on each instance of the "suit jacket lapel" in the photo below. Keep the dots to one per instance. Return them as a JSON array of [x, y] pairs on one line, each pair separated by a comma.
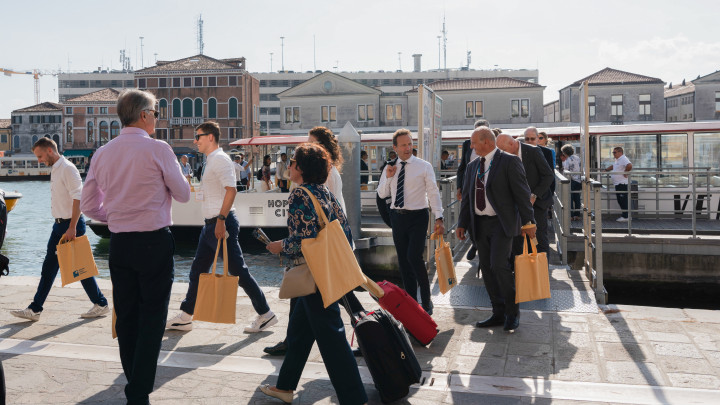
[[494, 166]]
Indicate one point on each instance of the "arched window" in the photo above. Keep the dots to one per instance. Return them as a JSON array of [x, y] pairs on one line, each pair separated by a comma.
[[163, 109], [104, 132], [68, 132], [16, 142], [232, 108], [177, 111], [187, 108], [90, 134], [115, 127], [212, 108], [198, 107], [56, 138]]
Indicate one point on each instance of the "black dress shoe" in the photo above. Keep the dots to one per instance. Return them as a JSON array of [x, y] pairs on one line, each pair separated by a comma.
[[357, 352], [495, 320], [429, 308], [471, 253], [278, 350], [511, 323]]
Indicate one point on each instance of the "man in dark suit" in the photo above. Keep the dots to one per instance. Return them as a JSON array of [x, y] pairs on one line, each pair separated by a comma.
[[532, 137], [468, 156], [539, 178], [495, 205]]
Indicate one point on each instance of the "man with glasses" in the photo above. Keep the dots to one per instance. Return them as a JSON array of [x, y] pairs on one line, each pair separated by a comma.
[[242, 171], [130, 186], [218, 195], [619, 177]]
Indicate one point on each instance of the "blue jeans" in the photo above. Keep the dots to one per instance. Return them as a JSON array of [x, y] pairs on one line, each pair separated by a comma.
[[622, 198], [203, 260], [50, 269]]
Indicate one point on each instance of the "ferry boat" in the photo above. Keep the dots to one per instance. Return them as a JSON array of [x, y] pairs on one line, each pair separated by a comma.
[[27, 167], [11, 198]]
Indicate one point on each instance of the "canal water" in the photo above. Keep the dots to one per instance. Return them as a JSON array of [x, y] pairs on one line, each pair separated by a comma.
[[30, 224]]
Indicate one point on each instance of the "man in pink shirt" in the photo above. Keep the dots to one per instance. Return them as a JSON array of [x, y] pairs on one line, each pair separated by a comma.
[[130, 185]]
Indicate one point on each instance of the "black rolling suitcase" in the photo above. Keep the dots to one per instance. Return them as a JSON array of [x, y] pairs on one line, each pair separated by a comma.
[[388, 354]]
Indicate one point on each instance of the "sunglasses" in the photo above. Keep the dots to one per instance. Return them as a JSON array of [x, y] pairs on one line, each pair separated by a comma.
[[155, 113], [541, 138], [197, 136], [292, 161]]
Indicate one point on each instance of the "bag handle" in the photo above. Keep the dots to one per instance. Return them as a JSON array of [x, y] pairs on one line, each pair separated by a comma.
[[318, 209], [525, 248], [439, 236], [225, 257]]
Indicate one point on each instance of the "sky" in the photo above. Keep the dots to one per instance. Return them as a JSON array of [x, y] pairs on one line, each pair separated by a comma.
[[564, 40]]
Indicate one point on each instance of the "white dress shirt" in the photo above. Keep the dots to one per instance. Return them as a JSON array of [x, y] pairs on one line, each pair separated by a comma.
[[281, 170], [219, 173], [489, 210], [65, 186], [334, 184], [420, 186], [618, 176]]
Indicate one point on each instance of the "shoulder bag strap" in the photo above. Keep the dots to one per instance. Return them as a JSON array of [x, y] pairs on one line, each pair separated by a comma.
[[318, 208]]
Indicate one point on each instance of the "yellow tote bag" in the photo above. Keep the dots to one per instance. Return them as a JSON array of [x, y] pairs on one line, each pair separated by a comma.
[[76, 260], [217, 293], [532, 281], [444, 264], [331, 260]]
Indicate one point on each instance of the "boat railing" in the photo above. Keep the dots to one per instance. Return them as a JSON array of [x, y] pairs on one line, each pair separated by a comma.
[[561, 214], [451, 207]]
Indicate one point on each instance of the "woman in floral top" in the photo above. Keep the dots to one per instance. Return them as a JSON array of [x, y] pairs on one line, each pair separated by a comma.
[[310, 321]]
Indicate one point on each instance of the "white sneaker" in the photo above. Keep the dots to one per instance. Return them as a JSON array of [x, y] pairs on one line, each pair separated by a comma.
[[262, 322], [26, 313], [622, 219], [181, 321], [96, 311]]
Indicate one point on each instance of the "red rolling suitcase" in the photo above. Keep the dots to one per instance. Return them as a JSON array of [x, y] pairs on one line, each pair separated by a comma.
[[406, 310]]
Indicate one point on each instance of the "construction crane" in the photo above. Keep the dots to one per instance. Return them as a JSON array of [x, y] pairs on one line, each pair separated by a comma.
[[36, 73]]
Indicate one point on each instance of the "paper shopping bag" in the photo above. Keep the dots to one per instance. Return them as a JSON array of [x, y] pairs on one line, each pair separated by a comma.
[[331, 258], [217, 293], [444, 264], [532, 281], [114, 320], [76, 260]]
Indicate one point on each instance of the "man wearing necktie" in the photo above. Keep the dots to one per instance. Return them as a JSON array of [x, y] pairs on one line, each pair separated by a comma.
[[411, 184], [494, 206]]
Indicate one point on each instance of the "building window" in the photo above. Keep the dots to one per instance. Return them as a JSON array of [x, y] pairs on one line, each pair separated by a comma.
[[232, 81], [187, 81], [68, 110], [616, 106], [514, 108], [3, 138], [161, 133], [212, 108], [198, 81], [717, 102], [591, 106], [212, 81], [644, 110], [104, 132], [90, 110], [103, 110], [89, 134], [473, 109], [393, 112], [187, 108], [292, 114], [198, 107], [162, 82], [34, 139], [176, 82], [232, 133], [163, 109], [328, 113], [142, 83], [525, 107], [68, 132], [177, 111], [16, 142], [232, 108], [366, 112], [115, 129]]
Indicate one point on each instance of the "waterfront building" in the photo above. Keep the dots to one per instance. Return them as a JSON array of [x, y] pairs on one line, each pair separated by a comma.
[[199, 88], [707, 97], [71, 85], [31, 123], [5, 135], [680, 102], [615, 97], [90, 121], [551, 111]]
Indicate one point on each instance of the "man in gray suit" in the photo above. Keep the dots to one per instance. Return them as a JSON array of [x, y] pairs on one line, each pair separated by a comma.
[[539, 178], [495, 205]]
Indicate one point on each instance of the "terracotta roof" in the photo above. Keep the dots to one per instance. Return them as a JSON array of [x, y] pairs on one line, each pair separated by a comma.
[[100, 95], [197, 62], [42, 107], [479, 84], [679, 89], [613, 76], [5, 124]]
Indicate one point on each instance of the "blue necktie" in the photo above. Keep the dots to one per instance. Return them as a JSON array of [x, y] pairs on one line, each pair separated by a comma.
[[400, 195], [480, 186]]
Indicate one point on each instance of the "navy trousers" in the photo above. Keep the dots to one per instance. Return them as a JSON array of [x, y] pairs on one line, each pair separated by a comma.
[[494, 248], [409, 232], [622, 198]]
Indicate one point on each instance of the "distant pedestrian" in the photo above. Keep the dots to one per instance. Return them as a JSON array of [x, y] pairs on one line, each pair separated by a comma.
[[281, 173], [187, 171], [65, 193], [619, 177], [571, 163], [364, 167], [265, 182], [242, 171], [136, 207]]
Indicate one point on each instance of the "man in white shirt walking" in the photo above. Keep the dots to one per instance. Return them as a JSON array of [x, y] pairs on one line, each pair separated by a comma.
[[217, 191], [242, 171], [65, 190], [620, 169], [411, 184]]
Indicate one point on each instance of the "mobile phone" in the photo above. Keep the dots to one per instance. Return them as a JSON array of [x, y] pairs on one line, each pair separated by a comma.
[[260, 235], [391, 162]]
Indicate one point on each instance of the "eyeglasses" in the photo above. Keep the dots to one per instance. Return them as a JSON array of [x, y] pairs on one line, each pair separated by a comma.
[[541, 138], [197, 136], [155, 113]]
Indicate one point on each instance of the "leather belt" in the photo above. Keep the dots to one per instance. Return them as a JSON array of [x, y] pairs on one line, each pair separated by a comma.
[[62, 220], [405, 212]]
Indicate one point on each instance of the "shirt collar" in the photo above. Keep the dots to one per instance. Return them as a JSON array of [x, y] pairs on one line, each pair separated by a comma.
[[215, 152], [410, 159], [134, 131], [490, 155]]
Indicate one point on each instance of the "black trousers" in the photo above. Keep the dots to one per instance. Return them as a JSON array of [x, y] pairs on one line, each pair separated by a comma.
[[494, 248], [409, 230], [142, 272]]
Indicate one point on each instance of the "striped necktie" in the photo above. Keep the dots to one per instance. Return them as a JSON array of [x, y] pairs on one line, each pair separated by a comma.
[[480, 186], [400, 195]]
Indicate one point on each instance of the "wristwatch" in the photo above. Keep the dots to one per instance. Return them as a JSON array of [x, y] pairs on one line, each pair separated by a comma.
[[533, 196], [221, 217]]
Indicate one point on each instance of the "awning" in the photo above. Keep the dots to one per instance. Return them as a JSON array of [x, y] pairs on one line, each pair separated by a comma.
[[77, 152], [184, 150]]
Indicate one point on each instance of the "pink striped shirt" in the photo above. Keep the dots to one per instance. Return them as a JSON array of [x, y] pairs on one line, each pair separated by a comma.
[[132, 182]]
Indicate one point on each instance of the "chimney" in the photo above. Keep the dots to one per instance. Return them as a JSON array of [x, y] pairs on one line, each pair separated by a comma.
[[417, 57]]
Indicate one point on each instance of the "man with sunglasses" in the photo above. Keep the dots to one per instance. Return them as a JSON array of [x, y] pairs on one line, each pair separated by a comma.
[[130, 186], [217, 192]]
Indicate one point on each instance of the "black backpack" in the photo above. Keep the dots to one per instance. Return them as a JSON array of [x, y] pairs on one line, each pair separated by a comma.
[[259, 174]]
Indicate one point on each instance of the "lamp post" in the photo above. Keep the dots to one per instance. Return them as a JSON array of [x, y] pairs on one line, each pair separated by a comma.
[[282, 53], [439, 52]]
